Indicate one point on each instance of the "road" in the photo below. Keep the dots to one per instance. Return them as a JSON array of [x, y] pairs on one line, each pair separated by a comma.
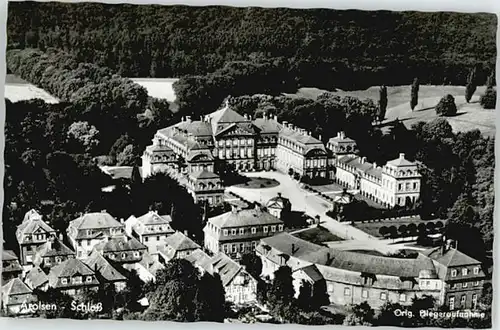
[[312, 205]]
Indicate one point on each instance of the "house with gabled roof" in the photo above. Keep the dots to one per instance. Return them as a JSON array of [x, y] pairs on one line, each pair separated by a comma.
[[52, 253], [89, 229], [240, 287], [72, 277], [37, 279], [151, 229], [238, 231], [177, 246], [14, 295], [105, 271], [31, 234], [10, 266], [463, 276], [123, 250]]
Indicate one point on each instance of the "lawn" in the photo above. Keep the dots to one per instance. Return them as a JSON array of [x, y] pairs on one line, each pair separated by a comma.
[[158, 87], [317, 235], [470, 116], [258, 183], [16, 89]]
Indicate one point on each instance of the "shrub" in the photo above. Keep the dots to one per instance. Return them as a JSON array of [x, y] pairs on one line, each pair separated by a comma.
[[489, 99], [446, 106]]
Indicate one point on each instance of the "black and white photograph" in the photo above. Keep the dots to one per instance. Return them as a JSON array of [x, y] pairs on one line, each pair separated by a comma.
[[249, 165]]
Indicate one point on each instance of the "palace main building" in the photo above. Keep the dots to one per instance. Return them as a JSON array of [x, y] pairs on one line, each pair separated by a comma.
[[191, 149]]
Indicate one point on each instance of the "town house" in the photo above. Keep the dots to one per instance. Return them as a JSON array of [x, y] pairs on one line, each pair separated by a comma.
[[31, 234], [240, 287], [177, 246], [89, 229], [238, 231], [10, 266], [151, 229], [72, 277]]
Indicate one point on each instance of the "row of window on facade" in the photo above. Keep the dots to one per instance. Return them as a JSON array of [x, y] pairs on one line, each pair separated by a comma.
[[365, 293], [240, 247], [463, 285], [253, 230], [76, 280], [146, 238], [235, 154], [235, 142], [463, 300], [465, 271]]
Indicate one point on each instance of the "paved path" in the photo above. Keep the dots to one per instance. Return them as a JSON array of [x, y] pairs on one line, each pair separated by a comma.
[[312, 205], [302, 201]]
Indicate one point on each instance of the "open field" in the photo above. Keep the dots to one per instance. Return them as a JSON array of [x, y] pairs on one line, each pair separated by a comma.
[[158, 87], [16, 89]]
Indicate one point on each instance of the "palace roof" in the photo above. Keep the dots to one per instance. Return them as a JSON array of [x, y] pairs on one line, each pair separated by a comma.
[[400, 161], [203, 174], [267, 125]]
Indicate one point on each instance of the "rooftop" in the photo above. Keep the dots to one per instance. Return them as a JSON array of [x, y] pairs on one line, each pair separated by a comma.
[[180, 242], [95, 220], [450, 257], [242, 218], [32, 223], [68, 268], [204, 174], [400, 161], [101, 266], [15, 287], [36, 277], [119, 244]]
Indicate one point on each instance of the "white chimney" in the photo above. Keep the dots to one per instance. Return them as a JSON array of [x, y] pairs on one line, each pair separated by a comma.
[[319, 137], [188, 118], [342, 135], [374, 165], [285, 123], [275, 117], [363, 160], [401, 156]]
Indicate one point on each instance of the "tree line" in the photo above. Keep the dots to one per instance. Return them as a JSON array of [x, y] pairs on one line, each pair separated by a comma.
[[326, 48]]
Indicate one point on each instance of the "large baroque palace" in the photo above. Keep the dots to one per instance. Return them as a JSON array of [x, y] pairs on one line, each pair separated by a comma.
[[191, 150]]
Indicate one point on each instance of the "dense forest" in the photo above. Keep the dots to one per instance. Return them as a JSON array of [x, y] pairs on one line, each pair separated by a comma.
[[323, 48]]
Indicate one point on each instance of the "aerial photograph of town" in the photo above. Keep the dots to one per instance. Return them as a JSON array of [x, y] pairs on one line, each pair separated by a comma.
[[249, 165]]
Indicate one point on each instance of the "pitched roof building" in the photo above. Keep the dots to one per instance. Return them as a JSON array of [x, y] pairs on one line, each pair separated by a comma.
[[238, 231], [151, 229], [240, 286], [51, 253], [72, 276], [463, 276], [10, 266], [14, 294], [105, 271], [121, 249], [32, 233], [89, 229], [36, 278], [278, 205], [177, 246]]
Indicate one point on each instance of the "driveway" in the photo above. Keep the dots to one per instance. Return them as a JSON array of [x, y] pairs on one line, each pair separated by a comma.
[[302, 201]]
